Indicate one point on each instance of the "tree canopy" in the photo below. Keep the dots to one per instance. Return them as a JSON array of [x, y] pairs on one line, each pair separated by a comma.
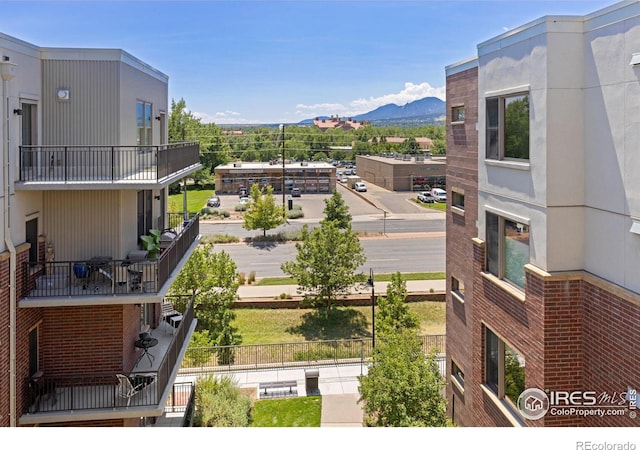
[[336, 210], [263, 213], [212, 279], [326, 263], [402, 387]]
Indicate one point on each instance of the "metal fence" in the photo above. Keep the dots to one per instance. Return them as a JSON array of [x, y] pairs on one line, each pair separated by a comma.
[[293, 354]]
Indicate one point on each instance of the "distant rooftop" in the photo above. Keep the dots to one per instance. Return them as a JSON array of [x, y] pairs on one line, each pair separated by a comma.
[[265, 165], [408, 159]]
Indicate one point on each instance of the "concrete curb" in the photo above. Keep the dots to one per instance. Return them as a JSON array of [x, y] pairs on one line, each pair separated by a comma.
[[352, 300]]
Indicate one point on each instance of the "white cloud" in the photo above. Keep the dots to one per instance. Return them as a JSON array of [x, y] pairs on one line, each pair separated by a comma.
[[223, 117], [410, 93]]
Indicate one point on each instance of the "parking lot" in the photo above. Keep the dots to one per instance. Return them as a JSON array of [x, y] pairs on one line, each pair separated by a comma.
[[371, 202]]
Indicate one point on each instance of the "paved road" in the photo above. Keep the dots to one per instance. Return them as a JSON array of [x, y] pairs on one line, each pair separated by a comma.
[[385, 255]]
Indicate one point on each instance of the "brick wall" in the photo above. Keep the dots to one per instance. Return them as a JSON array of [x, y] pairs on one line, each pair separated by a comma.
[[462, 174]]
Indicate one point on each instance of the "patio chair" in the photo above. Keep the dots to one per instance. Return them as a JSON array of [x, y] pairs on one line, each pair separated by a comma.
[[169, 313], [127, 389]]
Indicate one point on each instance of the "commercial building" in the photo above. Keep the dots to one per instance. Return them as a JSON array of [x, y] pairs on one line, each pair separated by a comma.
[[310, 177], [543, 297], [403, 172], [86, 172]]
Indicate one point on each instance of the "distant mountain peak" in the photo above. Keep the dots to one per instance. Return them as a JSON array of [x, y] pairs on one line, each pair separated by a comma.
[[424, 110]]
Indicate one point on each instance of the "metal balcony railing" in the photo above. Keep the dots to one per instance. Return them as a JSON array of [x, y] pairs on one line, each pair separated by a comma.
[[103, 391], [105, 163], [292, 354], [99, 276]]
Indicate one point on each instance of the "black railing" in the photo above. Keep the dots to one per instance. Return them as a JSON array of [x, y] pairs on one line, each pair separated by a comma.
[[294, 354], [96, 276], [107, 163], [101, 391]]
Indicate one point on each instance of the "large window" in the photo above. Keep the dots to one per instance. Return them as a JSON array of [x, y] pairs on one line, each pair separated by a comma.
[[507, 127], [504, 368], [507, 244], [143, 120]]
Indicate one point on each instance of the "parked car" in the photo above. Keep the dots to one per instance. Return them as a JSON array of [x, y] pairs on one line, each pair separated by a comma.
[[213, 202], [360, 187], [295, 192], [426, 197], [243, 192], [343, 180], [244, 200], [439, 194]]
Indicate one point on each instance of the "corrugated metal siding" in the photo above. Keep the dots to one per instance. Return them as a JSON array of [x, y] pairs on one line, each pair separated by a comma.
[[92, 114], [82, 224]]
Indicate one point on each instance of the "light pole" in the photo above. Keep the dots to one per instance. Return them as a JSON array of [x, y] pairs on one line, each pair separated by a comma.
[[284, 210], [373, 311]]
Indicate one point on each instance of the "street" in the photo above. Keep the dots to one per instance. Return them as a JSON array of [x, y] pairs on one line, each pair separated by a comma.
[[405, 237]]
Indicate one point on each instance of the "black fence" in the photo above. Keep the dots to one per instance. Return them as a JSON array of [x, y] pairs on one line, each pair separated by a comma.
[[296, 354], [107, 163]]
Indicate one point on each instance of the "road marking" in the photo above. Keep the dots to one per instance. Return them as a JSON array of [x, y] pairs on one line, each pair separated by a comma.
[[264, 264]]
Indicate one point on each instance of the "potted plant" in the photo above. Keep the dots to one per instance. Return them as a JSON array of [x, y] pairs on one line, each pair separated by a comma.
[[151, 243]]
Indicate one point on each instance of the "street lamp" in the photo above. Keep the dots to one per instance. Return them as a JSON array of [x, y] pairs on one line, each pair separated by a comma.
[[373, 313], [284, 210]]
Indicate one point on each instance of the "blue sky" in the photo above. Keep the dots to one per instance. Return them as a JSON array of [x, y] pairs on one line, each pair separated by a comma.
[[284, 61]]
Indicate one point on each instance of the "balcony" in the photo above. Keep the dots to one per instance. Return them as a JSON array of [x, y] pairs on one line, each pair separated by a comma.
[[98, 396], [66, 166], [100, 280]]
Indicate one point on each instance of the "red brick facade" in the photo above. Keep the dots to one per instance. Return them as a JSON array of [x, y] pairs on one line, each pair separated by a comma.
[[575, 331], [71, 340], [462, 175]]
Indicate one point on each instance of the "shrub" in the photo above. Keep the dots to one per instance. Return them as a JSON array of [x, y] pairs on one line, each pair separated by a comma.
[[252, 277], [295, 213], [219, 403], [207, 211], [219, 239], [242, 207], [241, 278]]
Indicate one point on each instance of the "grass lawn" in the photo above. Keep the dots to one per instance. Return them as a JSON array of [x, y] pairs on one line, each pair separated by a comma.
[[196, 200], [436, 205], [272, 326], [281, 281], [287, 412]]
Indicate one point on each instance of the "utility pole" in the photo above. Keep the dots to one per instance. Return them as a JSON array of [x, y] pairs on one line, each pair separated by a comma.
[[284, 210]]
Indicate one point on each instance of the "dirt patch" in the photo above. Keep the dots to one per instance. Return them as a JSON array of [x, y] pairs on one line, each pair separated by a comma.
[[252, 393]]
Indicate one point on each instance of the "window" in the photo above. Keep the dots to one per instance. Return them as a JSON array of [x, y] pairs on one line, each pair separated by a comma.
[[457, 288], [507, 127], [507, 244], [457, 374], [31, 236], [143, 119], [457, 200], [457, 114], [504, 368]]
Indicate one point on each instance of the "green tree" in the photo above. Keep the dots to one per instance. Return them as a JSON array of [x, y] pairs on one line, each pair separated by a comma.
[[326, 263], [393, 312], [336, 210], [411, 146], [212, 280], [263, 213], [403, 388]]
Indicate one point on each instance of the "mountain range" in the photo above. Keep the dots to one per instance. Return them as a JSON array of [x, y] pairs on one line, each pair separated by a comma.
[[425, 110]]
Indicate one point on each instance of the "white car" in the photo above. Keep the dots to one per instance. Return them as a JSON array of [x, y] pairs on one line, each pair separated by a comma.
[[360, 187], [343, 180], [244, 200], [439, 194]]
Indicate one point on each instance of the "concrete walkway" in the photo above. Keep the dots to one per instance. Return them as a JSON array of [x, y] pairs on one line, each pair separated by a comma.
[[247, 291]]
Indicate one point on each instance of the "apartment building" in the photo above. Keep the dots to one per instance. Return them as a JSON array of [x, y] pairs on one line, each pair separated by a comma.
[[543, 225], [86, 171]]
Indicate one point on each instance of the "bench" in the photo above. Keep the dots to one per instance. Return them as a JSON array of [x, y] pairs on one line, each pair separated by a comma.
[[278, 385]]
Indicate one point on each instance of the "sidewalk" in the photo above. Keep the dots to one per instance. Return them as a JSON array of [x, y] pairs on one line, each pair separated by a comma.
[[251, 292]]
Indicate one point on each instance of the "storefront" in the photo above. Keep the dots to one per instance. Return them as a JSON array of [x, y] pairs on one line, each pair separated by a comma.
[[310, 177]]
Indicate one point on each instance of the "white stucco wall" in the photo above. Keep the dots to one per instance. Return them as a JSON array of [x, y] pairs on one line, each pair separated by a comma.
[[581, 191]]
